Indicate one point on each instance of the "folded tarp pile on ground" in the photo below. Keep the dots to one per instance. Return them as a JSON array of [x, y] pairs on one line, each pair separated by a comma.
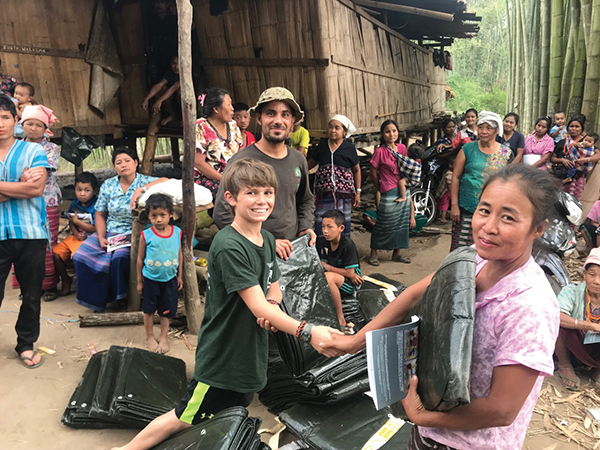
[[302, 375], [353, 424], [231, 429], [125, 387]]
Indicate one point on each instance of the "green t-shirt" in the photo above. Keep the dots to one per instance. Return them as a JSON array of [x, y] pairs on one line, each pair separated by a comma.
[[478, 166], [232, 349], [300, 138]]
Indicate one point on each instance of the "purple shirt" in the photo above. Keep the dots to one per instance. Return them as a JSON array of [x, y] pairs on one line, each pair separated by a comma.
[[516, 322], [594, 212], [386, 164]]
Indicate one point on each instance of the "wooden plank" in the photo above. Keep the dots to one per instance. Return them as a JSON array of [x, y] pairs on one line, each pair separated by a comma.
[[41, 51], [382, 73], [406, 10], [267, 62]]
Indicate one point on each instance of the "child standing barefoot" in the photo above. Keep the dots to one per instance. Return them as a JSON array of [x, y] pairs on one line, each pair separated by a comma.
[[443, 192], [159, 269]]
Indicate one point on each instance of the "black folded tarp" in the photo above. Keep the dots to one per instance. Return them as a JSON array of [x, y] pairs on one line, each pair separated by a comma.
[[447, 312], [126, 387], [347, 425], [231, 429], [306, 296], [372, 299]]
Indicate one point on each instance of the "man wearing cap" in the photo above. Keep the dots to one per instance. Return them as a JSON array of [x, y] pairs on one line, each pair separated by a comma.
[[23, 235], [276, 112]]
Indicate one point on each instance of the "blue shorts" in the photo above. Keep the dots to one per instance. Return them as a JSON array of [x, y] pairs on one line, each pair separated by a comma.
[[160, 296]]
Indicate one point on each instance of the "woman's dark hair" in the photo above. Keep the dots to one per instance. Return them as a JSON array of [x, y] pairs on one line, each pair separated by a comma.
[[539, 187], [473, 110], [6, 104], [156, 201], [125, 150], [214, 99], [446, 122], [514, 115], [548, 122], [580, 118], [385, 124]]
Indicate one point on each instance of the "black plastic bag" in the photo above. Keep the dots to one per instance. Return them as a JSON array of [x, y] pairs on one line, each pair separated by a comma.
[[347, 425], [447, 312], [230, 429], [75, 147], [306, 296]]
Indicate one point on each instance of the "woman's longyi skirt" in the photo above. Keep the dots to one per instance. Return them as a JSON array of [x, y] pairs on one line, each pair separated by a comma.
[[327, 203], [573, 339], [101, 277], [393, 222], [462, 234]]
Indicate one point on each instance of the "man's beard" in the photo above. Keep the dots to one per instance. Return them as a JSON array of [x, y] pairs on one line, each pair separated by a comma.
[[275, 139]]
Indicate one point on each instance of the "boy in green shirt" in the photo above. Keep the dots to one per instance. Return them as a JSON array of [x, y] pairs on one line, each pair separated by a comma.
[[242, 303]]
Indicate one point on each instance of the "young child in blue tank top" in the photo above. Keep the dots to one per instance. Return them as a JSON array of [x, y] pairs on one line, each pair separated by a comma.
[[159, 269]]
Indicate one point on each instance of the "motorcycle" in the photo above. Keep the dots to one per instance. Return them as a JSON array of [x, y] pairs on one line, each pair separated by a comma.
[[433, 167], [558, 240]]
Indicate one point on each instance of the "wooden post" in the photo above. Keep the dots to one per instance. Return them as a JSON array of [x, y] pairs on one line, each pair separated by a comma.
[[134, 300], [193, 304], [150, 147], [175, 152]]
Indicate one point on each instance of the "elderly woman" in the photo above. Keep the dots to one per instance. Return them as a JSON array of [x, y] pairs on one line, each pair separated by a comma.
[[36, 121], [516, 321], [539, 144], [474, 163], [103, 277], [337, 181], [218, 138], [579, 314], [571, 152]]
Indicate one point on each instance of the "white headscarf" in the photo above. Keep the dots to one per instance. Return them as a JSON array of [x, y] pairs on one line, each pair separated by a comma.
[[348, 125], [492, 119]]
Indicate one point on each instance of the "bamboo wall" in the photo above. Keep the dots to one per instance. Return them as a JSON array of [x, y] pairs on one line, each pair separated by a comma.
[[334, 58], [47, 34]]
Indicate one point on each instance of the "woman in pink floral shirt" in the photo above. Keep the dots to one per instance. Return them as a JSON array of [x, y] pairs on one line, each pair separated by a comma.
[[218, 138], [540, 144], [516, 321]]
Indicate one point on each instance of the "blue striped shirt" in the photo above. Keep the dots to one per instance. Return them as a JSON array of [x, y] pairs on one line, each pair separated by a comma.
[[22, 218]]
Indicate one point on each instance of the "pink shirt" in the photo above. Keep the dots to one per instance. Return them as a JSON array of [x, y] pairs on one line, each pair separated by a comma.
[[516, 322], [594, 212], [386, 164], [533, 146]]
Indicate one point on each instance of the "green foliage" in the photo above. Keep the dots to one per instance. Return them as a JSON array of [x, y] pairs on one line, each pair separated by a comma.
[[481, 65], [471, 94]]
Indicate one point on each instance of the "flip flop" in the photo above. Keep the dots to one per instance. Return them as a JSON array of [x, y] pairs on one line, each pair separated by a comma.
[[27, 358], [576, 381], [49, 296], [402, 259], [373, 260]]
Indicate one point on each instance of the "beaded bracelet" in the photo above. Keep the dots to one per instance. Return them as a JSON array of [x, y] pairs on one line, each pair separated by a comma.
[[300, 328]]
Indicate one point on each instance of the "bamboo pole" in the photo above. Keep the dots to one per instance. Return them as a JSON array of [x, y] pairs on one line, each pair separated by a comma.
[[151, 140], [545, 15], [406, 9], [590, 92], [535, 67], [569, 60], [578, 83], [193, 304], [556, 55]]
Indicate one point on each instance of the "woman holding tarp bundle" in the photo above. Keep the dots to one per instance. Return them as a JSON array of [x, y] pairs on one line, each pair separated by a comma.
[[516, 321]]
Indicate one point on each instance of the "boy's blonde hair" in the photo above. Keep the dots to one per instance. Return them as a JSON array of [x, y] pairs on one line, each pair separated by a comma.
[[247, 173]]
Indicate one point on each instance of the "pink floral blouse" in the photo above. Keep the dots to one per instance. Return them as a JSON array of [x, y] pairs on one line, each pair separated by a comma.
[[218, 149]]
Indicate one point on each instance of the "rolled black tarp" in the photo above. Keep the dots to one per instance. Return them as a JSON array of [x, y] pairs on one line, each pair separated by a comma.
[[230, 429], [347, 425], [447, 312]]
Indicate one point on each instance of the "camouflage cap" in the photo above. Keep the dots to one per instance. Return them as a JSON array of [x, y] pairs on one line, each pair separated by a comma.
[[278, 94]]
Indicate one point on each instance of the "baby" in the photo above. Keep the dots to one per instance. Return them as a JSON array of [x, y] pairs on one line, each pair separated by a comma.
[[24, 93], [414, 152]]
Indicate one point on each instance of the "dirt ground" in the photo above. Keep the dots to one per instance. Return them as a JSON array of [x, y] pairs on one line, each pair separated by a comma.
[[34, 400]]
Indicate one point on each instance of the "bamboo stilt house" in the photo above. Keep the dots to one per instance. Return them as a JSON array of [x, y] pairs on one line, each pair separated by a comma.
[[88, 59]]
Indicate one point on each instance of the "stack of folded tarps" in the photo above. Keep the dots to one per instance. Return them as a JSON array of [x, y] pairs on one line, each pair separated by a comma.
[[125, 387], [353, 424], [302, 375], [231, 429]]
